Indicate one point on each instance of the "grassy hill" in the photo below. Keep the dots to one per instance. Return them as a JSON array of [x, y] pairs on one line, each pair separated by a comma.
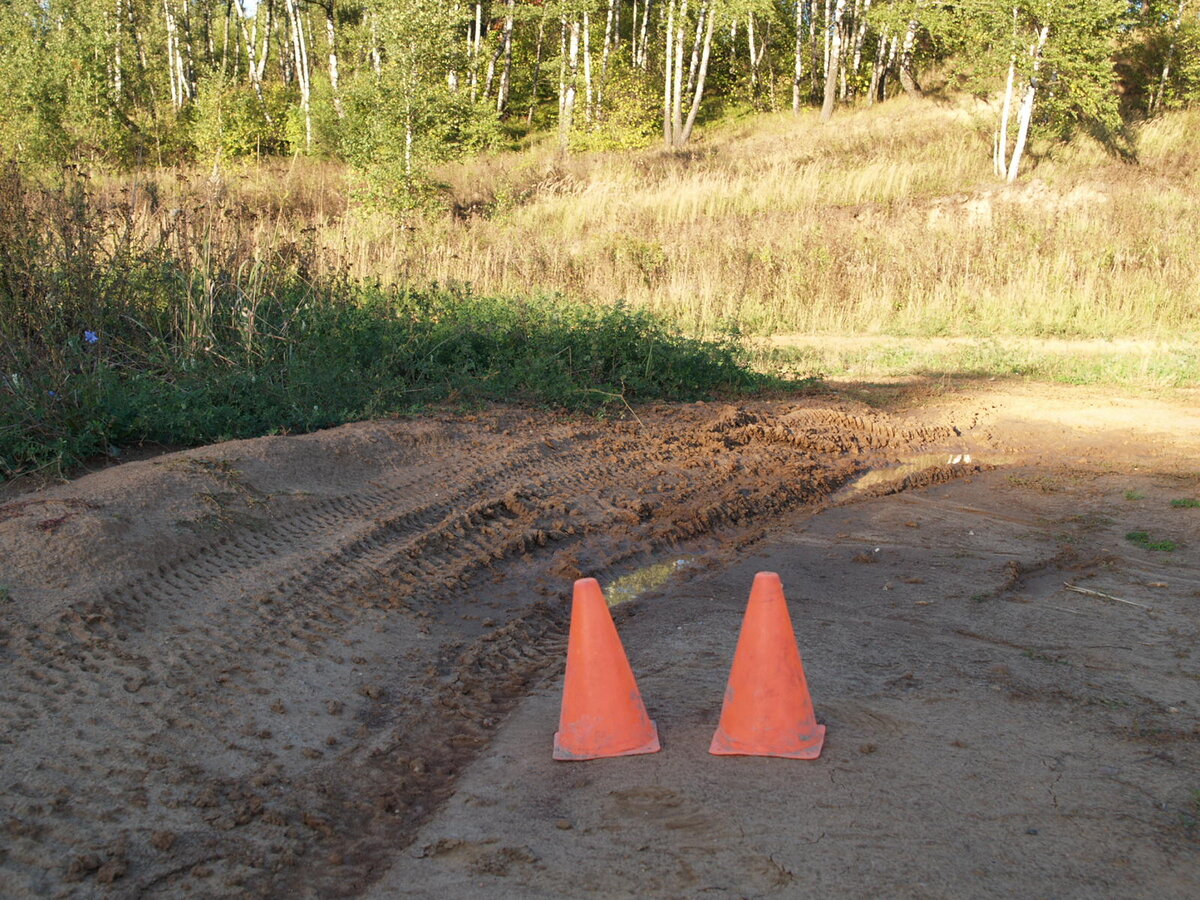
[[184, 307]]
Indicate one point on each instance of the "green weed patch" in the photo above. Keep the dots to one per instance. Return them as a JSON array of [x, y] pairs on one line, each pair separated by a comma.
[[1143, 539]]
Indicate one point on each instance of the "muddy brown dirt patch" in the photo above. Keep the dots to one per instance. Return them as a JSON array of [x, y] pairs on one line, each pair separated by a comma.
[[258, 667]]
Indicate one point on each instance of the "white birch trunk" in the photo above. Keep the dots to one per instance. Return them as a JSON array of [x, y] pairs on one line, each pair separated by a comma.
[[1160, 90], [376, 53], [1000, 161], [172, 67], [1026, 113], [668, 76], [877, 68], [677, 104], [266, 44], [710, 17], [828, 38], [633, 35], [643, 43], [334, 72], [475, 49], [752, 48], [798, 68], [697, 46], [118, 83], [907, 79], [303, 72], [835, 61], [588, 87], [568, 106], [537, 70], [506, 70], [860, 33]]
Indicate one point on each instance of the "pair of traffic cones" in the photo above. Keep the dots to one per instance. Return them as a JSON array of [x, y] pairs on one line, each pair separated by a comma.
[[767, 709]]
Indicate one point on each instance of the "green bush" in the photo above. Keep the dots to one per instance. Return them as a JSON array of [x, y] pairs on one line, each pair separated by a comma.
[[630, 115], [105, 343], [229, 119]]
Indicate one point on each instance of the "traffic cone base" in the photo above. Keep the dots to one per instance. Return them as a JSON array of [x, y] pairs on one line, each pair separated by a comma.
[[807, 747], [602, 711], [650, 746], [767, 710]]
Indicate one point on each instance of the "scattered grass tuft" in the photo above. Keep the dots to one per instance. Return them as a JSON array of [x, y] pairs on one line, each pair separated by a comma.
[[1143, 539], [1134, 495], [1186, 503]]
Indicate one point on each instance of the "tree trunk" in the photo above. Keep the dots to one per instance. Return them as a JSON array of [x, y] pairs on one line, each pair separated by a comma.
[[334, 73], [474, 50], [172, 68], [677, 105], [907, 79], [187, 56], [506, 71], [860, 34], [568, 103], [633, 35], [668, 76], [877, 68], [266, 44], [537, 70], [798, 70], [225, 41], [752, 50], [303, 72], [643, 43], [1164, 77], [697, 46], [708, 14], [249, 40], [1026, 114], [562, 67], [828, 38], [589, 88], [1000, 161], [835, 61]]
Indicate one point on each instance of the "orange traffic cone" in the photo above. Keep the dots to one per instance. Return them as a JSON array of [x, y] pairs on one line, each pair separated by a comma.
[[767, 709], [602, 711]]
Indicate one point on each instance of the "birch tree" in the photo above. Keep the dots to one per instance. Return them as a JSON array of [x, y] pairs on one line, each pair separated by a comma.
[[833, 65], [1055, 59]]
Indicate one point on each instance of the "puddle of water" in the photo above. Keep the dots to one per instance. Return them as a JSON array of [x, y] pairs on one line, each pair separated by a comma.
[[631, 586], [904, 468]]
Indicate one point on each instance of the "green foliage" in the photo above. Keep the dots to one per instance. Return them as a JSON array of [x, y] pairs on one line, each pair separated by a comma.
[[1142, 539], [1075, 74], [106, 342], [230, 120], [397, 130], [1186, 503], [630, 115]]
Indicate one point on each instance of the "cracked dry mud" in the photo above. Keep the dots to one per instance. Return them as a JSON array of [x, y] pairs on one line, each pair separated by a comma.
[[328, 665]]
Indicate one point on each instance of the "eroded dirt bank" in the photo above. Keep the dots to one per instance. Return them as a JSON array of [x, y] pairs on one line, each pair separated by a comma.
[[266, 666]]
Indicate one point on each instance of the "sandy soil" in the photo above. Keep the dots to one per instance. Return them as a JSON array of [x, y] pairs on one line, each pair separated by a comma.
[[328, 665]]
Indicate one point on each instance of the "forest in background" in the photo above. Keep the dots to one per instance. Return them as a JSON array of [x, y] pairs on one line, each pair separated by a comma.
[[394, 86]]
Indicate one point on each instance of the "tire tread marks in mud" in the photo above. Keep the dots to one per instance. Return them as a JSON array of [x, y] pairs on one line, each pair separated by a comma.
[[299, 690]]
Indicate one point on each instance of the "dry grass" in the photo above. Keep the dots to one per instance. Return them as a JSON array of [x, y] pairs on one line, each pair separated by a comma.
[[888, 220]]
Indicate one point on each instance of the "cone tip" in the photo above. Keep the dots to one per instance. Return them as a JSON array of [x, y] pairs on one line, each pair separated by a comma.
[[588, 589]]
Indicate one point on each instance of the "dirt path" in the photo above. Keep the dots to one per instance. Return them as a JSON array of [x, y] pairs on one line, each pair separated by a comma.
[[326, 665]]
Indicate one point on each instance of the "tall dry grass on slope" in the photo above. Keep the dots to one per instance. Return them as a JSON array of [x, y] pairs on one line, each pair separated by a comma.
[[886, 220]]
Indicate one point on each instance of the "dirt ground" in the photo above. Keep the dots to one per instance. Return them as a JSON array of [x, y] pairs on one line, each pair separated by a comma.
[[328, 665]]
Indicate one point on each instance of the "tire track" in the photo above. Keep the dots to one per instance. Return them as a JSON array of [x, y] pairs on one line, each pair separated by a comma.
[[305, 684]]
